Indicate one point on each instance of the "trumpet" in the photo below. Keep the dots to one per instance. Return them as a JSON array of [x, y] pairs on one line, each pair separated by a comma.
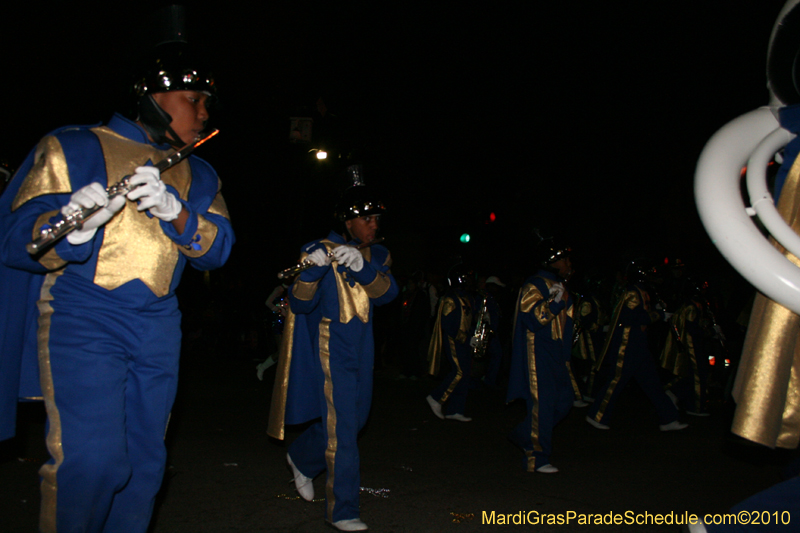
[[305, 264], [51, 234]]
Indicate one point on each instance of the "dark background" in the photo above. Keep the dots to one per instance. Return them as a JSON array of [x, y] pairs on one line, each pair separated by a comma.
[[584, 119]]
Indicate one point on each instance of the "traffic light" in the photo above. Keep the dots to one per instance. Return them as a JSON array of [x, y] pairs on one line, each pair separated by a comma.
[[464, 237]]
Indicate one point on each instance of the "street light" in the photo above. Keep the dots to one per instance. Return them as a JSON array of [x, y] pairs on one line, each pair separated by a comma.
[[321, 154]]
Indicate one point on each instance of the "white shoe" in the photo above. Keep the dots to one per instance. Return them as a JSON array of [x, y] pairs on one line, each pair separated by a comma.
[[260, 369], [547, 469], [303, 484], [459, 417], [672, 398], [436, 407], [579, 403], [673, 426], [353, 524], [596, 424]]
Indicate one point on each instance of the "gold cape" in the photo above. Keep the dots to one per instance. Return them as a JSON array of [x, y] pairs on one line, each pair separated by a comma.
[[767, 387]]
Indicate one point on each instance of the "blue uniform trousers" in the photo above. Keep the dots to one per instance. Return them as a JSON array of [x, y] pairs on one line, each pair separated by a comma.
[[547, 405], [638, 365], [453, 389], [330, 445], [109, 377]]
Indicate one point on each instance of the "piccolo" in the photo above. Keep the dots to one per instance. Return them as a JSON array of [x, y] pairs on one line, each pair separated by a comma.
[[49, 235], [305, 264]]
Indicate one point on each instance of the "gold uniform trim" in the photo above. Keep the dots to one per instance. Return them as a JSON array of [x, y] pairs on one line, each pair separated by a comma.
[[207, 234], [531, 295], [353, 301], [446, 306], [459, 371], [767, 383], [466, 321], [330, 419], [277, 410], [218, 205], [134, 245], [767, 388], [435, 346], [48, 472], [617, 374], [628, 296], [379, 286], [382, 283], [575, 387], [305, 290], [533, 384], [50, 259], [207, 230], [49, 174], [676, 354]]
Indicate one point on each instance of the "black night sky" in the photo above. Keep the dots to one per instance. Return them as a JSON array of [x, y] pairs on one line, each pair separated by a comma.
[[585, 119]]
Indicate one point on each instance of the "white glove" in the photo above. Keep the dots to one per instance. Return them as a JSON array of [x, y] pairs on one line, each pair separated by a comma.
[[667, 315], [350, 257], [557, 292], [153, 195], [473, 342], [319, 257], [88, 197]]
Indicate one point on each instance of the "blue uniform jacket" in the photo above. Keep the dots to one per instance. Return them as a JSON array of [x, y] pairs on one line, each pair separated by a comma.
[[330, 309], [628, 333], [137, 258], [541, 328]]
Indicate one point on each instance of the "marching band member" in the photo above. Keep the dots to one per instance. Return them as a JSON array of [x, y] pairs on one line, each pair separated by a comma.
[[326, 360], [540, 356], [108, 320], [450, 340], [684, 357], [590, 319], [629, 357], [494, 349]]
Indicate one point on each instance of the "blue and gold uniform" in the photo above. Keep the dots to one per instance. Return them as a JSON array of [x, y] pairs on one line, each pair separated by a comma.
[[450, 340], [108, 320], [590, 319], [683, 357], [326, 365], [628, 357], [539, 371]]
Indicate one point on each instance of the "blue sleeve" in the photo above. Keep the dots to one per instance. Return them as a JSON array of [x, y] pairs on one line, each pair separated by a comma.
[[304, 295], [535, 312], [208, 236], [376, 277]]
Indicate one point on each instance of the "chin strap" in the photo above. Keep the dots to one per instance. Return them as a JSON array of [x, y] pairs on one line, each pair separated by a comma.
[[157, 122]]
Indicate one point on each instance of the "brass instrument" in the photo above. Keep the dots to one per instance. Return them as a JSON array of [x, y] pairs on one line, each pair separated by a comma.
[[51, 234], [305, 264], [480, 337]]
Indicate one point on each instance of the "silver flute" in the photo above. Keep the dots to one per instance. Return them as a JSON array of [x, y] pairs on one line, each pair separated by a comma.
[[305, 264], [51, 234]]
